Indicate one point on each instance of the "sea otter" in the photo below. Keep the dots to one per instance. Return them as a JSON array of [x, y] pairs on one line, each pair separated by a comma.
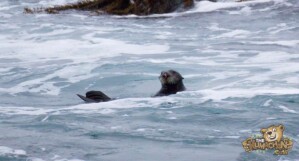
[[171, 81]]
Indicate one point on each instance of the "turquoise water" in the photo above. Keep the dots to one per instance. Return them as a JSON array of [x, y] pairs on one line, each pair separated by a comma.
[[239, 61]]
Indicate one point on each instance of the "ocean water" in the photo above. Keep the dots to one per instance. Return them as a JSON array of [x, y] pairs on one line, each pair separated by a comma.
[[240, 62]]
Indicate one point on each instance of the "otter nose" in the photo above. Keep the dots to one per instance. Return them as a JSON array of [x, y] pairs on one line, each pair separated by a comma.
[[164, 74], [269, 133]]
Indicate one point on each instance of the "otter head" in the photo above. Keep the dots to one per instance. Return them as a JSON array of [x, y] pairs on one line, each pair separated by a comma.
[[170, 77], [273, 133]]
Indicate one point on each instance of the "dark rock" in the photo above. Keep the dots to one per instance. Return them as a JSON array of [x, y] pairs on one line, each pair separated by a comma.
[[120, 7], [145, 7]]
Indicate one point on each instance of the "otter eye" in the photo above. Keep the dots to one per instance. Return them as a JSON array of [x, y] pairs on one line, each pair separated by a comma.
[[274, 130]]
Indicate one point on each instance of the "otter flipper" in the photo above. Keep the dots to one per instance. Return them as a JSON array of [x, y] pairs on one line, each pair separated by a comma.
[[86, 99], [94, 96]]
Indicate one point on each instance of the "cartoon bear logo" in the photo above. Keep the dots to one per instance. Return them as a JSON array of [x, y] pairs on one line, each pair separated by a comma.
[[271, 138], [273, 133]]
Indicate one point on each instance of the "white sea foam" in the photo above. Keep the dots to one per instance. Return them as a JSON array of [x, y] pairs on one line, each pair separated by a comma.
[[246, 131], [6, 8], [207, 6], [35, 159], [286, 109], [74, 49], [287, 43], [113, 106], [215, 27], [4, 70], [25, 111], [271, 57], [172, 118], [141, 130], [9, 151], [166, 60], [124, 103], [244, 11], [59, 158], [267, 103], [45, 119], [225, 75], [79, 62], [292, 79], [232, 34], [4, 16], [101, 108], [231, 137], [56, 2], [279, 28], [221, 94]]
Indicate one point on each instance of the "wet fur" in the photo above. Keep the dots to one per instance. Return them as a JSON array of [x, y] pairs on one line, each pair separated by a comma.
[[172, 84]]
